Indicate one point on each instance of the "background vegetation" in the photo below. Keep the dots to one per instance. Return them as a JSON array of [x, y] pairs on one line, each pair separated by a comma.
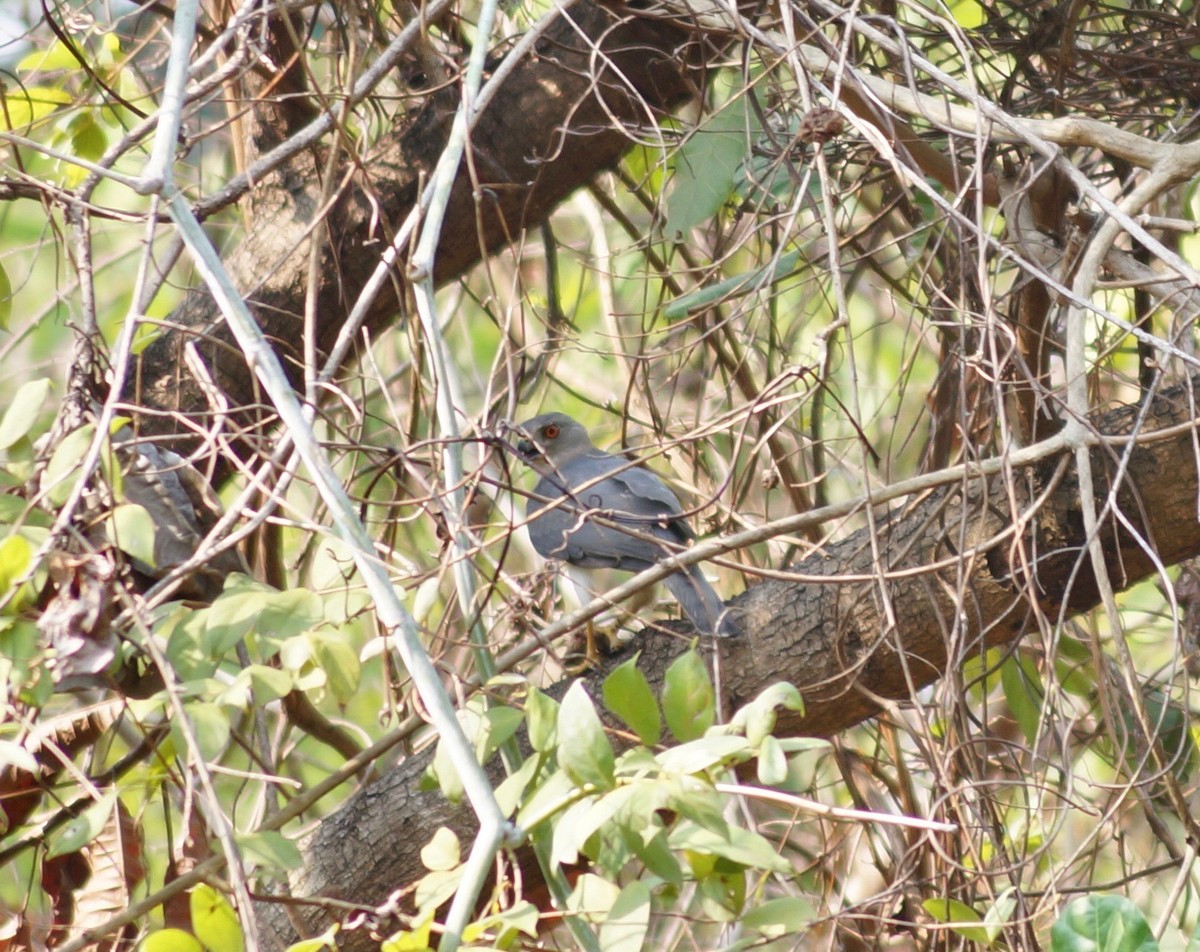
[[811, 263]]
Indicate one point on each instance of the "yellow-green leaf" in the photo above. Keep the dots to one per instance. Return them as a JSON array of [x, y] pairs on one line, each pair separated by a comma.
[[214, 921], [26, 405], [171, 940]]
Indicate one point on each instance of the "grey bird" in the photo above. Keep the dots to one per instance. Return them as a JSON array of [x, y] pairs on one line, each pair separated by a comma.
[[582, 485]]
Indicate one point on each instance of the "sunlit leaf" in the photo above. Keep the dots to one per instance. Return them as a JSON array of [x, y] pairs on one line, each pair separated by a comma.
[[968, 14], [1097, 923], [705, 167], [583, 748], [776, 918], [22, 107], [541, 711], [80, 831], [326, 940], [133, 532], [628, 920], [698, 755], [55, 56], [688, 700], [65, 463], [15, 556], [1024, 691], [959, 916], [627, 694], [269, 848], [443, 852], [25, 407], [170, 940], [214, 921]]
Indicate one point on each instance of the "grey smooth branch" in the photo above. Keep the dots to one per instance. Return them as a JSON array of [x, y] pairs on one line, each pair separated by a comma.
[[580, 482]]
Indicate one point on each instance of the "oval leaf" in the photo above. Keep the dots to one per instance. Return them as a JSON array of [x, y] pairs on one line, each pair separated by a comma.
[[171, 940], [688, 701], [1108, 923], [214, 921], [583, 748], [27, 403], [627, 694]]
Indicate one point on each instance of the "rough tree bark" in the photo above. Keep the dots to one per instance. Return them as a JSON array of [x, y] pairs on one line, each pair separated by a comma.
[[593, 72]]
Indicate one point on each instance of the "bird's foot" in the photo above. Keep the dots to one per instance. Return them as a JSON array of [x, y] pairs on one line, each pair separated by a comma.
[[588, 651]]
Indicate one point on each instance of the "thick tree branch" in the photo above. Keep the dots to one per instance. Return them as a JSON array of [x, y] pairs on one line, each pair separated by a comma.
[[592, 74], [954, 571]]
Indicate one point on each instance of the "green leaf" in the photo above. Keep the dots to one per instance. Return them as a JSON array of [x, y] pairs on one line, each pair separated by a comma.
[[64, 463], [742, 283], [657, 854], [592, 897], [27, 403], [627, 694], [772, 762], [210, 726], [414, 940], [170, 940], [502, 723], [739, 846], [511, 792], [541, 710], [552, 795], [706, 166], [999, 913], [624, 930], [340, 662], [133, 532], [523, 917], [776, 918], [968, 14], [184, 630], [88, 142], [80, 831], [214, 921], [958, 915], [699, 755], [698, 801], [1102, 924], [757, 719], [442, 852], [56, 56], [583, 748], [270, 848], [722, 892], [247, 606], [571, 830], [15, 756], [25, 106], [435, 888], [1023, 690], [326, 940], [688, 701], [15, 556], [255, 686]]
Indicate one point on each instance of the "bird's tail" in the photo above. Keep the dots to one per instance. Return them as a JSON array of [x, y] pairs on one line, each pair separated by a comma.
[[702, 606]]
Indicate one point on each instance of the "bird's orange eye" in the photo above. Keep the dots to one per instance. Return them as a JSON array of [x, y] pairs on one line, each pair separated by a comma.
[[551, 431]]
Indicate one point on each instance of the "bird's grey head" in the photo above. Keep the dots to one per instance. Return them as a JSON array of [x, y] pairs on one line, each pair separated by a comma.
[[552, 440]]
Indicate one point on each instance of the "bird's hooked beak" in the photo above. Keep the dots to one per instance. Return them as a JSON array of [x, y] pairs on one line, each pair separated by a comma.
[[527, 449]]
